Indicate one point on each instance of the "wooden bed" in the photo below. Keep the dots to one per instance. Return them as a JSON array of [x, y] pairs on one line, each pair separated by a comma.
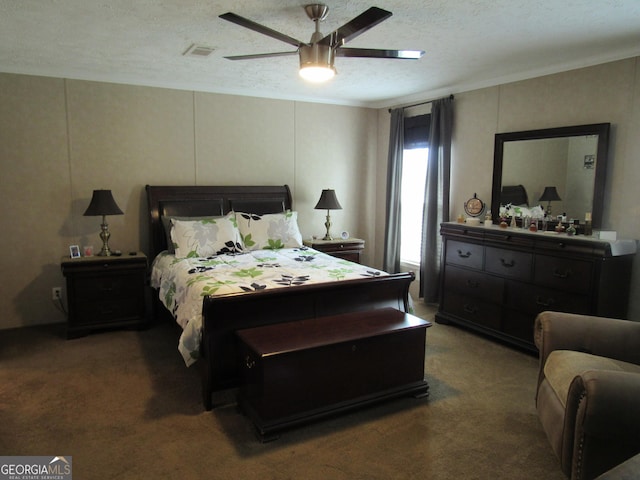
[[224, 315]]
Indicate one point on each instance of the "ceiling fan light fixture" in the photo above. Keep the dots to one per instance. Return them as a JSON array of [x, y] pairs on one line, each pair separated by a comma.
[[317, 73], [316, 63]]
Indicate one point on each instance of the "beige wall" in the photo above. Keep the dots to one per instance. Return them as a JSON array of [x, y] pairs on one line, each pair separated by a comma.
[[604, 93], [61, 139]]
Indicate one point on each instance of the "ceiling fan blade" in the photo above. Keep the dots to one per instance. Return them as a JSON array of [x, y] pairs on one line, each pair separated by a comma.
[[260, 55], [355, 27], [377, 53], [256, 27]]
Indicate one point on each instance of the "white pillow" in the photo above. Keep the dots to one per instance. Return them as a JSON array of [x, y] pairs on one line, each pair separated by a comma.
[[205, 237], [270, 231]]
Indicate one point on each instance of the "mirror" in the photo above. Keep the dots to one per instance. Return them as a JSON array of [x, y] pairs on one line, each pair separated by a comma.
[[572, 159]]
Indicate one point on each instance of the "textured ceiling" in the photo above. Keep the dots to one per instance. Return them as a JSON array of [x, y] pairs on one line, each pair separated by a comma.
[[468, 43]]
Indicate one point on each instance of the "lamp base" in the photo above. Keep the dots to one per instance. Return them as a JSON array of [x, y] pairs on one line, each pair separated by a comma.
[[327, 225], [104, 236]]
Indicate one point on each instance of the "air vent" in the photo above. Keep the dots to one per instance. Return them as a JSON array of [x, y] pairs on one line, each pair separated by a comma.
[[198, 51]]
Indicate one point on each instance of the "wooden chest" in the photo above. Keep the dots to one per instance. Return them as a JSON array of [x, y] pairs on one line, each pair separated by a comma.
[[300, 371]]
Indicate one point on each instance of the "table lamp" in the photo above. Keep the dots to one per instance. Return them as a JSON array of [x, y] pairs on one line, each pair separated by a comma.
[[102, 203], [328, 201]]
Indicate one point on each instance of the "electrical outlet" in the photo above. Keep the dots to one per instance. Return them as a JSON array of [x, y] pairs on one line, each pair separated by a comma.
[[56, 293]]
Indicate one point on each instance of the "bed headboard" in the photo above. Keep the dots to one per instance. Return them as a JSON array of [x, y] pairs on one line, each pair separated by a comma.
[[514, 194], [196, 201]]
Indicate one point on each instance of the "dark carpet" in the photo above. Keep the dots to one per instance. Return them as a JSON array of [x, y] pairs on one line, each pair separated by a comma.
[[123, 406]]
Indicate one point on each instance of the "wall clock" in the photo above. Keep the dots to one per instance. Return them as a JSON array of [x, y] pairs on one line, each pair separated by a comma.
[[474, 206]]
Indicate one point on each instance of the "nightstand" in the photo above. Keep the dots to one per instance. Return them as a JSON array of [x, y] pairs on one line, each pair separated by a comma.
[[349, 249], [105, 292]]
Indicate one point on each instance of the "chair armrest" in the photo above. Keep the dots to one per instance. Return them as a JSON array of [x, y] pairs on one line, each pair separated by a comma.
[[609, 402], [606, 337], [601, 422]]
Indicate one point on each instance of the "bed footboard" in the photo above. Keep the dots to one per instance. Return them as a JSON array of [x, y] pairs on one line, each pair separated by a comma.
[[224, 315]]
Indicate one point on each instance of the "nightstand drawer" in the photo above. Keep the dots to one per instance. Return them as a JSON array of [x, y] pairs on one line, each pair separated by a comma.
[[89, 313], [109, 287], [349, 249]]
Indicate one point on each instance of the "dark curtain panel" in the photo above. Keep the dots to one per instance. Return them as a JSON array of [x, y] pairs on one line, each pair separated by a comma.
[[437, 188], [391, 261]]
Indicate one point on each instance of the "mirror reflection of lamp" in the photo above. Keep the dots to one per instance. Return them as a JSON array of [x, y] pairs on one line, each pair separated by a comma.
[[549, 195]]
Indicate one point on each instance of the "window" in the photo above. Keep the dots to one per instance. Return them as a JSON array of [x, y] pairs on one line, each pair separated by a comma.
[[414, 174]]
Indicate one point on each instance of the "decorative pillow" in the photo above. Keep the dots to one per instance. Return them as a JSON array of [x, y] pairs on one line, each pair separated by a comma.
[[206, 237], [270, 231], [166, 225]]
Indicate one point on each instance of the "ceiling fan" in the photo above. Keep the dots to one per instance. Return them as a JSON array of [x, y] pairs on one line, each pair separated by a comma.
[[317, 56]]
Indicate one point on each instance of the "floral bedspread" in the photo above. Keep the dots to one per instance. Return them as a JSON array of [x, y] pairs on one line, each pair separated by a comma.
[[183, 282]]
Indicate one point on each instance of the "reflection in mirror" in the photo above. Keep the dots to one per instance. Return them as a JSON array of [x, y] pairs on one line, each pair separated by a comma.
[[571, 159]]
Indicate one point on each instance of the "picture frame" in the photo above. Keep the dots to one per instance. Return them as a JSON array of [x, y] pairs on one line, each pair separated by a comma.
[[74, 251]]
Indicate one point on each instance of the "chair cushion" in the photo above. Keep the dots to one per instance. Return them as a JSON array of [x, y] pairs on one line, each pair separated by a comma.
[[562, 366]]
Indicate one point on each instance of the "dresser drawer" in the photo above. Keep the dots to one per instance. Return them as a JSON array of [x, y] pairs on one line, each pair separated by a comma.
[[474, 284], [473, 309], [534, 299], [465, 254], [508, 263], [563, 273]]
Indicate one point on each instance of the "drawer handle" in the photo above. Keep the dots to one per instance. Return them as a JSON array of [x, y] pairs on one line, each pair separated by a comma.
[[472, 309], [249, 362], [508, 264], [565, 274], [472, 283], [545, 303], [464, 255]]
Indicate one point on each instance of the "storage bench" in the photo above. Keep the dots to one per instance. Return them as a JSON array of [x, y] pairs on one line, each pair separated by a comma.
[[300, 371]]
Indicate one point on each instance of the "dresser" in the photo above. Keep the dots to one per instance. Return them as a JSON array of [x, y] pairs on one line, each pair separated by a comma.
[[497, 280], [105, 292]]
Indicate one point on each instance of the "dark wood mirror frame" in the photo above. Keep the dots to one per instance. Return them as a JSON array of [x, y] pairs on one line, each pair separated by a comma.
[[600, 129]]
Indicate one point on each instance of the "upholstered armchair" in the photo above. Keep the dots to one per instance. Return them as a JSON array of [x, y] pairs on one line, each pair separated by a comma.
[[588, 395]]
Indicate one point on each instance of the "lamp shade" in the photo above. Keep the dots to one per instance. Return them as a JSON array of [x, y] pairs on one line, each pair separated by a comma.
[[550, 194], [328, 201], [102, 203]]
